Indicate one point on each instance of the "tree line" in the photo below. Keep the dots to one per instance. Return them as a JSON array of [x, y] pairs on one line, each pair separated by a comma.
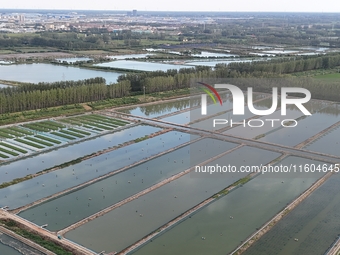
[[20, 99]]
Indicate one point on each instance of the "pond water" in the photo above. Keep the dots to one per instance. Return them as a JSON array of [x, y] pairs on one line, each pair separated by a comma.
[[46, 160], [68, 209], [53, 182], [35, 73], [151, 211], [140, 66], [328, 143], [159, 109], [228, 221], [12, 246], [207, 54], [314, 223], [307, 127]]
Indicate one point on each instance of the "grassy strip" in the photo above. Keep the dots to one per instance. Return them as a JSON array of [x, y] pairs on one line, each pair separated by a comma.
[[98, 125], [38, 141], [4, 135], [72, 121], [13, 147], [111, 123], [63, 135], [90, 123], [46, 125], [105, 120], [100, 122], [52, 123], [29, 143], [141, 139], [48, 139], [3, 156], [79, 131], [20, 130], [226, 191], [71, 133], [47, 244], [35, 127], [11, 132], [9, 118], [9, 152]]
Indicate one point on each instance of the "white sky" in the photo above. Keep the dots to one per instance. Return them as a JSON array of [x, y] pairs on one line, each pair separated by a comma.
[[179, 5]]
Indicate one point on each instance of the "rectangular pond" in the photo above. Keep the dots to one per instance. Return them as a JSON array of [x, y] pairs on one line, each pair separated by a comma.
[[26, 192], [39, 72], [315, 224], [12, 246], [220, 227], [306, 128], [159, 109], [140, 66], [149, 212], [68, 209], [39, 162]]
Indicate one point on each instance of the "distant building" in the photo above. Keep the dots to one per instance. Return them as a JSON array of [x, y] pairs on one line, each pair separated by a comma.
[[134, 13]]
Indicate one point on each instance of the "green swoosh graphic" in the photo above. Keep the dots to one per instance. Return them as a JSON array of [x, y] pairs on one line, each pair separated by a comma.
[[209, 93]]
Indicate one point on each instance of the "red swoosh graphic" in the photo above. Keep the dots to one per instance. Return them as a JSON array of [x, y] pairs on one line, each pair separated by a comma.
[[213, 90]]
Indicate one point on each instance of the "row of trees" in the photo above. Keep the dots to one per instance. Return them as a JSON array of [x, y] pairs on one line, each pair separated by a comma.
[[38, 99], [288, 65], [48, 86]]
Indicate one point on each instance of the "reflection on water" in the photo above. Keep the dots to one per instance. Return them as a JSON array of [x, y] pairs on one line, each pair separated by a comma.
[[221, 226], [118, 187], [141, 66], [35, 73], [43, 161], [307, 127], [314, 224], [53, 182], [151, 211], [159, 109]]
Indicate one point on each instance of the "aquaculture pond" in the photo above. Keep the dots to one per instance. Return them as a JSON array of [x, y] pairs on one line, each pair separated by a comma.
[[12, 246], [292, 113], [20, 194], [39, 162], [68, 209], [311, 228], [160, 109], [38, 72], [221, 226], [140, 66], [154, 209], [307, 127], [328, 143]]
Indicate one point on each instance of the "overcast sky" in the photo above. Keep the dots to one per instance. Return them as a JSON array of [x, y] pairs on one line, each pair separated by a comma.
[[178, 5]]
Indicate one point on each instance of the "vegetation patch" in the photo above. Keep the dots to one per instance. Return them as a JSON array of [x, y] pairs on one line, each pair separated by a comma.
[[71, 133], [4, 135], [21, 130], [49, 245], [63, 135], [29, 143], [79, 131], [3, 156], [13, 147], [9, 152], [48, 139], [39, 141]]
